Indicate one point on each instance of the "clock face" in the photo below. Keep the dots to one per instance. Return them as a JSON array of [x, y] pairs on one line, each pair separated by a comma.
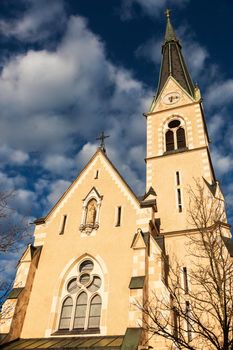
[[171, 98]]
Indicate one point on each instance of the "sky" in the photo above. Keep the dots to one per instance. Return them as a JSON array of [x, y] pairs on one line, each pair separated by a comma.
[[72, 68]]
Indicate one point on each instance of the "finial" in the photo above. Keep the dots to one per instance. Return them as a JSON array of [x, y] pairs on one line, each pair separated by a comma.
[[102, 137], [168, 13]]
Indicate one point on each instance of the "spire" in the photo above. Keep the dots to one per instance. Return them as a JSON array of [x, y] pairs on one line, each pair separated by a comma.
[[170, 34], [173, 63]]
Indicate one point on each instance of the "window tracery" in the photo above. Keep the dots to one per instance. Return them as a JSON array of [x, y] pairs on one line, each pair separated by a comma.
[[81, 307], [175, 138]]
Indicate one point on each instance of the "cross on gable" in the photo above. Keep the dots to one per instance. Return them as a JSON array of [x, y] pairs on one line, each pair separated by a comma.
[[101, 138]]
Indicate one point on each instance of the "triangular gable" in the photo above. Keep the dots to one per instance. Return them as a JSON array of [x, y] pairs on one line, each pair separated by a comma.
[[150, 194], [170, 85], [109, 167], [27, 254], [211, 187], [138, 240], [215, 189]]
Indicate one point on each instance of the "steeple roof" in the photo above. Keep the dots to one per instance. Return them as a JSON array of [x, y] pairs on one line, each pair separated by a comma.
[[173, 63]]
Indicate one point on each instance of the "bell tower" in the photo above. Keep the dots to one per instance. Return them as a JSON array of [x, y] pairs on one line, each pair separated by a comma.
[[177, 138]]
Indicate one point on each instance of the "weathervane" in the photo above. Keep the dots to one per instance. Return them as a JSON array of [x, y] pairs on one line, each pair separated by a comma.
[[102, 137]]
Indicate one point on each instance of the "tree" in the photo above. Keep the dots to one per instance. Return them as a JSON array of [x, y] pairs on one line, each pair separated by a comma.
[[12, 231], [196, 311]]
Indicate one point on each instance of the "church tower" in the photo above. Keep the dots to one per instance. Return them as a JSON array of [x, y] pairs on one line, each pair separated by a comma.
[[177, 138]]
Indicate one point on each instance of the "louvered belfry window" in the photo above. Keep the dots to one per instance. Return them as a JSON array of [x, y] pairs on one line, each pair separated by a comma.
[[175, 136], [81, 309], [180, 134], [169, 140]]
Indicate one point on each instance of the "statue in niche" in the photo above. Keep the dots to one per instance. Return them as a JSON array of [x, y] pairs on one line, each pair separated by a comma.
[[91, 212]]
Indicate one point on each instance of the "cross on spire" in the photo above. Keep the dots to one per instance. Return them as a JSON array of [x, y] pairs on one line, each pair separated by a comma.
[[168, 13], [101, 138]]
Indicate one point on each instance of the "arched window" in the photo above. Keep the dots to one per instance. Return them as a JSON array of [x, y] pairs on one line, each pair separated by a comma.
[[169, 140], [81, 310], [180, 134], [175, 136], [66, 313], [95, 311]]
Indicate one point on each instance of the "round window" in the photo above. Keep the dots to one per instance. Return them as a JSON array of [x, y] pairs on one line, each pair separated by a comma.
[[86, 266], [84, 279], [72, 286], [174, 124]]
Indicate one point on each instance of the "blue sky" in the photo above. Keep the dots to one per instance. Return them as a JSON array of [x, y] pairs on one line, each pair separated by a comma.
[[70, 69]]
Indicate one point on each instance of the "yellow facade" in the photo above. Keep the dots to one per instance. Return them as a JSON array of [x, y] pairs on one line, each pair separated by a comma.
[[101, 221]]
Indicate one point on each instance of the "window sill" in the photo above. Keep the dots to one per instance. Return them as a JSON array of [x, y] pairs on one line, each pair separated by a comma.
[[176, 151], [77, 331]]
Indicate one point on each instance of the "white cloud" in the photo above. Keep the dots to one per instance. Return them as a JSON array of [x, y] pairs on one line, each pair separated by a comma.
[[24, 201], [12, 157], [220, 93], [58, 164], [150, 50], [38, 21], [11, 183], [222, 162], [56, 190], [85, 154], [215, 126], [62, 98]]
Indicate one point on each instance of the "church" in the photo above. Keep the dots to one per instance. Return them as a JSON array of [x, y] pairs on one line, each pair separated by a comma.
[[101, 247]]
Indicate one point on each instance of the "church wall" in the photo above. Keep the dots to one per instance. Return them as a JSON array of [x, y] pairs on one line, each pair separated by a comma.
[[191, 166], [109, 245]]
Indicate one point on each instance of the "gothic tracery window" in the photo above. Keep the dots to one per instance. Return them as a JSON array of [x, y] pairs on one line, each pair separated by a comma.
[[175, 136], [81, 308]]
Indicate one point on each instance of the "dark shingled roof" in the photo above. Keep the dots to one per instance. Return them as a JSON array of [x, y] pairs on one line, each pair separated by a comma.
[[229, 245], [173, 63], [14, 293], [137, 282]]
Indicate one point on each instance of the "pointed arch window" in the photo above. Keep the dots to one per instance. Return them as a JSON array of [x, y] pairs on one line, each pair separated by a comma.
[[175, 136], [95, 312], [81, 309], [66, 311], [170, 141], [181, 142]]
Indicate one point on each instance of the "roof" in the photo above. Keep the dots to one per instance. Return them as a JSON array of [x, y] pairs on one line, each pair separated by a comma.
[[129, 341], [113, 342], [229, 245], [14, 293], [137, 282], [173, 63], [212, 187]]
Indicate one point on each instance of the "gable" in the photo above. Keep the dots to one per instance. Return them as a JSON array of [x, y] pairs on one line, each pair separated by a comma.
[[87, 178], [172, 95]]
